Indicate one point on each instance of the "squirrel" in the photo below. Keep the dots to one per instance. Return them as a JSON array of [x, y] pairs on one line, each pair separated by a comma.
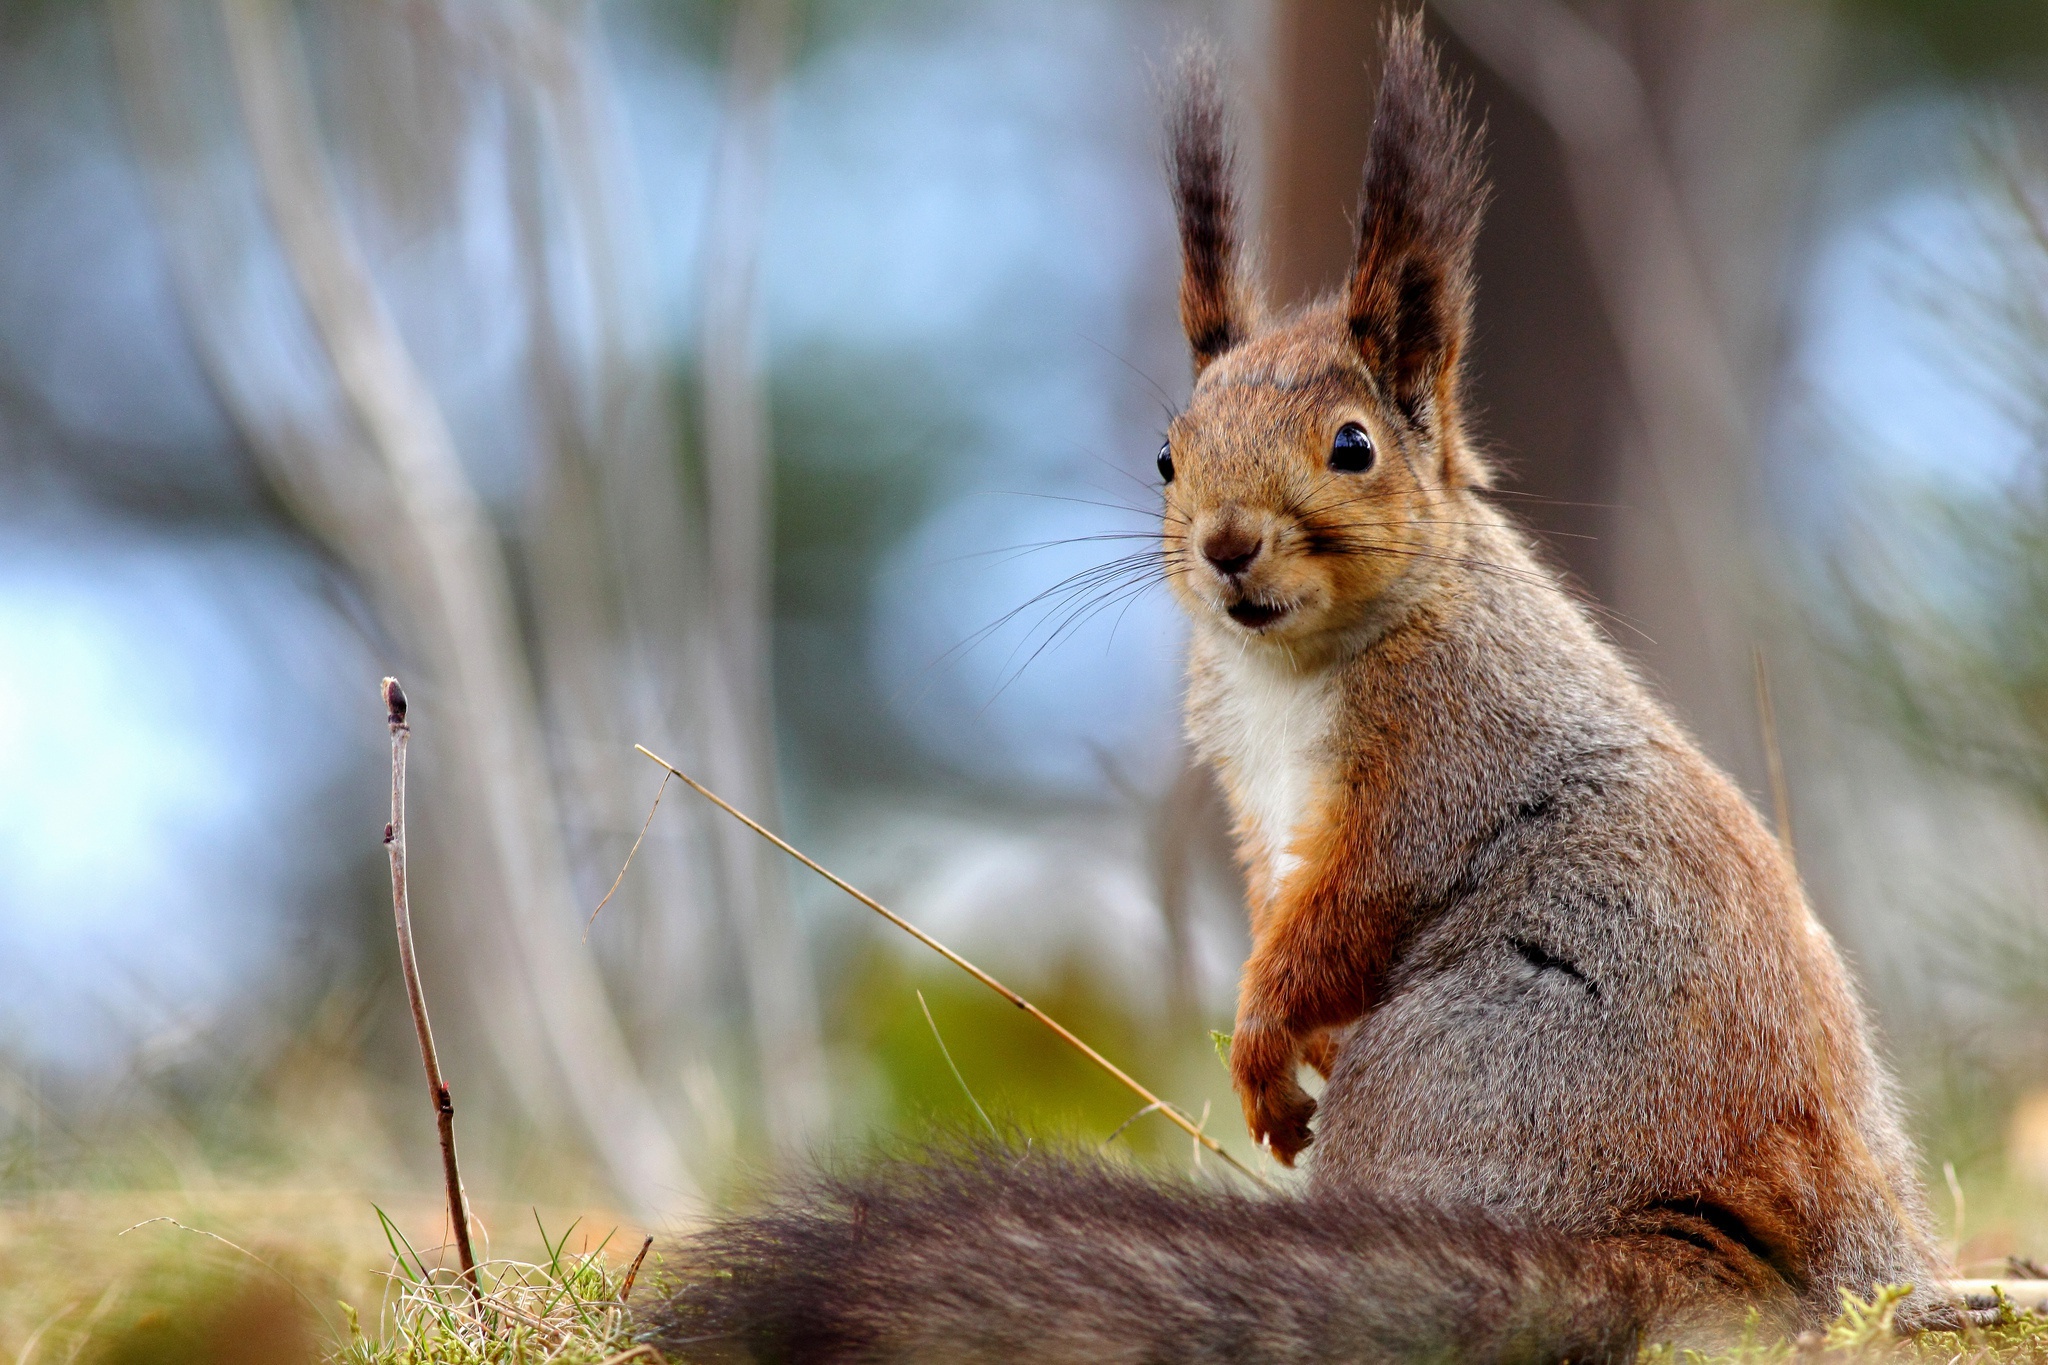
[[1596, 1075]]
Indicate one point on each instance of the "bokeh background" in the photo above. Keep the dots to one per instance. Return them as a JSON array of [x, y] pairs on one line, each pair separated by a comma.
[[760, 381]]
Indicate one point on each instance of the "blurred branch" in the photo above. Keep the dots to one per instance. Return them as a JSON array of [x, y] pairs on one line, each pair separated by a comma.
[[738, 470], [393, 497], [678, 673], [1173, 824], [607, 659], [471, 603]]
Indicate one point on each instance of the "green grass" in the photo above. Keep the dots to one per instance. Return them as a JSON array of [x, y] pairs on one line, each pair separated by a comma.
[[1865, 1332], [564, 1308], [288, 1276]]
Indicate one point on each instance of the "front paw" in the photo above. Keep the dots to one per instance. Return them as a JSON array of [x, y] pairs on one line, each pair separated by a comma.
[[1276, 1108]]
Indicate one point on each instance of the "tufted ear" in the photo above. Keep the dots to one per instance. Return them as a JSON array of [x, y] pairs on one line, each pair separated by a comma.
[[1410, 299], [1215, 311]]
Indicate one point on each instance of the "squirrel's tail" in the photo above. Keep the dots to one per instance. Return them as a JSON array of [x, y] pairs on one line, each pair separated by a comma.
[[992, 1255]]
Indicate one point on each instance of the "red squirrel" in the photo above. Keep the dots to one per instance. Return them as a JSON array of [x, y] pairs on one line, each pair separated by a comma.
[[1596, 1074]]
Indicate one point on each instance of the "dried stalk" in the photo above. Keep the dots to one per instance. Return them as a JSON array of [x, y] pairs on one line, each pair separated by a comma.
[[401, 909], [1178, 1118], [633, 1271]]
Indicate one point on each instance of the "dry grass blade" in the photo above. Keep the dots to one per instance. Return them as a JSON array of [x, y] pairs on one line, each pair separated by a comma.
[[1180, 1120], [637, 841], [954, 1067]]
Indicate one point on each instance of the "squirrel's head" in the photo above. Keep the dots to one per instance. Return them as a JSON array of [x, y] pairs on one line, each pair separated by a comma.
[[1321, 466]]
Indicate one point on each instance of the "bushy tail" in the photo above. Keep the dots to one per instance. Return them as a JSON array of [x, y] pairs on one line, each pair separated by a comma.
[[992, 1255]]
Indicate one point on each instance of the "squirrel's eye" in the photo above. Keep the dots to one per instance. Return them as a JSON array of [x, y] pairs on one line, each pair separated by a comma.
[[1166, 461], [1351, 452]]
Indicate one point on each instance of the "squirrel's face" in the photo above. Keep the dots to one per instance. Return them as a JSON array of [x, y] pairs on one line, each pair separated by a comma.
[[1320, 464], [1300, 497]]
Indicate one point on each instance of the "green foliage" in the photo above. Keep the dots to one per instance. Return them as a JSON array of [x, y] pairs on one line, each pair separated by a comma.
[[1940, 613], [863, 445], [994, 1057], [1963, 37], [1966, 684]]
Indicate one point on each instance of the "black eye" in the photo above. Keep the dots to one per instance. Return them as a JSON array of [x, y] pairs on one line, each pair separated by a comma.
[[1166, 461], [1351, 452]]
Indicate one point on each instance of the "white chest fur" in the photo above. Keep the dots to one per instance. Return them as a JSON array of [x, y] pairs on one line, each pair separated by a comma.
[[1267, 728]]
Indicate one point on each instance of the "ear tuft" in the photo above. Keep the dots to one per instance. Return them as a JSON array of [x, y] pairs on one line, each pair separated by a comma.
[[1410, 300], [1201, 165]]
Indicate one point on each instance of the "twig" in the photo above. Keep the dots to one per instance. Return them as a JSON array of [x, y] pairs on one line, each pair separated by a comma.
[[401, 907], [633, 1271], [659, 793], [1173, 1114]]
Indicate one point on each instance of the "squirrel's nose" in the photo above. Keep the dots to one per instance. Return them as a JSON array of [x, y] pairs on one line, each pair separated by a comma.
[[1231, 549]]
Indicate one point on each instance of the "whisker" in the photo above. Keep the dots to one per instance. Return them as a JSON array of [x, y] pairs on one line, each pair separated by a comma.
[[1146, 486], [1079, 502], [1432, 521], [1016, 552], [1065, 590], [1066, 607], [1078, 616], [1165, 398]]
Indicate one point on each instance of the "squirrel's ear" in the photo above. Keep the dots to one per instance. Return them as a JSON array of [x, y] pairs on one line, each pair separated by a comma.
[[1201, 163], [1410, 300]]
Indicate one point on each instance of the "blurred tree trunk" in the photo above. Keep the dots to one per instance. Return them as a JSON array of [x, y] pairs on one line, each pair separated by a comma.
[[1325, 72], [1602, 365], [1686, 240], [1541, 359]]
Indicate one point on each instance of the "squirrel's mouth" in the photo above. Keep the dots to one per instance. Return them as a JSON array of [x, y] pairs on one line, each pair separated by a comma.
[[1256, 615]]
